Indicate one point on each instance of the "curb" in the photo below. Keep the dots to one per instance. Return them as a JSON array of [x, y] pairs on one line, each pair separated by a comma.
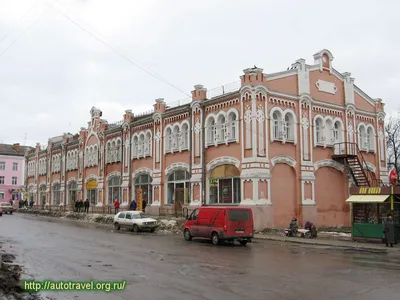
[[326, 244]]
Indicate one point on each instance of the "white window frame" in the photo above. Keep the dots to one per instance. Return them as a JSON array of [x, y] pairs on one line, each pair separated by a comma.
[[14, 180], [2, 165], [15, 166], [2, 179], [2, 195]]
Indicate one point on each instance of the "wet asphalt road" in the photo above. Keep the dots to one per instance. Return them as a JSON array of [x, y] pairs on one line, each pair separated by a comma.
[[165, 267]]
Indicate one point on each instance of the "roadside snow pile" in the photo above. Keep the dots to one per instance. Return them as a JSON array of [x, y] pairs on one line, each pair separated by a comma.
[[170, 225], [99, 218]]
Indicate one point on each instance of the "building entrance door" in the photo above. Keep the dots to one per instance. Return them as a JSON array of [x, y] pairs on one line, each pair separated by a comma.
[[179, 199], [92, 197]]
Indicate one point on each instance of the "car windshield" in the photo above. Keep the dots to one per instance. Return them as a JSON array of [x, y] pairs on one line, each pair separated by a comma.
[[143, 216], [5, 204]]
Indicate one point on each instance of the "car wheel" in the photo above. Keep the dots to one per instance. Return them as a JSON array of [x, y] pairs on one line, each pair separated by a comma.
[[152, 230], [187, 235], [117, 226], [243, 243], [1, 214], [10, 212], [215, 238], [135, 228]]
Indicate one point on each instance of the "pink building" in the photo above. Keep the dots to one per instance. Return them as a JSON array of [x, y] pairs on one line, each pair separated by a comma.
[[285, 144], [12, 171]]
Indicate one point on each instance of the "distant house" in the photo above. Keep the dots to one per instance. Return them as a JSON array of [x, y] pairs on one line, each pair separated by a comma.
[[12, 169]]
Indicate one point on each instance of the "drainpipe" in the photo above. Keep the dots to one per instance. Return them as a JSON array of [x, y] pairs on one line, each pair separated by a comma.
[[190, 152], [203, 157], [65, 177], [129, 158], [122, 161]]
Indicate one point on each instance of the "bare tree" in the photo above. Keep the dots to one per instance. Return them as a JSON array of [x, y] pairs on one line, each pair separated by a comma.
[[392, 130]]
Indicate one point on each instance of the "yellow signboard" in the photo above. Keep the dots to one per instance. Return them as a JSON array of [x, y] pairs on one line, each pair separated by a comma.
[[91, 184], [139, 199], [372, 190]]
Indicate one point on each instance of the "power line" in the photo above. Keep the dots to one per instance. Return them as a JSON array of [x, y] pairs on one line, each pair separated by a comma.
[[23, 16], [27, 29], [155, 75]]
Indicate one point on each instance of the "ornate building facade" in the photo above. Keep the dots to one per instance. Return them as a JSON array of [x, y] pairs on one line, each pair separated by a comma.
[[269, 144]]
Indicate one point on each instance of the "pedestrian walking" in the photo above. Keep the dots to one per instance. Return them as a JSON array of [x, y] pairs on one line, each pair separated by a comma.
[[133, 205], [86, 205], [116, 205], [388, 231]]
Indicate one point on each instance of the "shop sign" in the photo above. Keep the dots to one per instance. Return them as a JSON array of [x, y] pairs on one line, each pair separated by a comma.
[[139, 199], [393, 176], [372, 190], [91, 184], [214, 182]]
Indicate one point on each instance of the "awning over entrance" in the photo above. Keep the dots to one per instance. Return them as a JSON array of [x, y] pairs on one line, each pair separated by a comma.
[[367, 198]]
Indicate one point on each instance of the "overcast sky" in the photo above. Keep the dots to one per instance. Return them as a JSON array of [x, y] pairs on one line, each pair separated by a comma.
[[52, 72]]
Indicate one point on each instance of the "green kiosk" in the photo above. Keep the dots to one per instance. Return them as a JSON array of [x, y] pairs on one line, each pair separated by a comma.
[[370, 207]]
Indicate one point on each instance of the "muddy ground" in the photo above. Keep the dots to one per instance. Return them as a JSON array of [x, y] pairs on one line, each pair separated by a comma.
[[10, 279]]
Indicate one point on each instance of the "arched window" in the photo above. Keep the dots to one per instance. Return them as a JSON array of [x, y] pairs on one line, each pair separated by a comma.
[[118, 151], [178, 186], [185, 136], [328, 132], [114, 189], [175, 138], [143, 186], [289, 127], [211, 131], [336, 132], [108, 152], [276, 125], [318, 131], [56, 194], [232, 125], [224, 185], [147, 144], [135, 147], [72, 192], [42, 194], [168, 139], [362, 137], [221, 128], [141, 145], [371, 139]]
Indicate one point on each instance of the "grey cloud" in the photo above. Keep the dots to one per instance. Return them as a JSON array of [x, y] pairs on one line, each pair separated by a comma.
[[58, 70]]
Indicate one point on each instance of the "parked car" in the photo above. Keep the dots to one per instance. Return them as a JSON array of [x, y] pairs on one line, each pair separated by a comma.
[[220, 224], [135, 220], [7, 208], [1, 212]]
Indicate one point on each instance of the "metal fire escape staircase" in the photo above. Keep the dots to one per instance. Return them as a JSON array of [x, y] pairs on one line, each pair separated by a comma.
[[350, 155]]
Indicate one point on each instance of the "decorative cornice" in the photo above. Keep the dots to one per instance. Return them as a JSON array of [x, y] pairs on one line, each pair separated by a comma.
[[328, 163], [223, 160], [283, 159]]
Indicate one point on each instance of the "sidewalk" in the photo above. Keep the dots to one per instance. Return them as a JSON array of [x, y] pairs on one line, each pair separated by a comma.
[[369, 247]]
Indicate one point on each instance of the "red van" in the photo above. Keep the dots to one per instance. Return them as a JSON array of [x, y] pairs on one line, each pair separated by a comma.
[[220, 224]]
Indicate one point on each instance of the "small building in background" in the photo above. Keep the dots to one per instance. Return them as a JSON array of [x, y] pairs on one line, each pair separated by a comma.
[[12, 172]]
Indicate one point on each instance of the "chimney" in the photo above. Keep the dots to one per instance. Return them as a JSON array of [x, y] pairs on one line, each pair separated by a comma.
[[199, 93], [37, 146], [128, 116], [252, 76], [160, 105], [16, 147]]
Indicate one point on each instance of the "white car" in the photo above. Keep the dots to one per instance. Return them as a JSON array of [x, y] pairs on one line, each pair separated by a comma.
[[135, 220]]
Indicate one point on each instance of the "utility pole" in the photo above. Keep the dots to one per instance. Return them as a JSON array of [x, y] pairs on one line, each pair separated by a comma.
[[25, 139]]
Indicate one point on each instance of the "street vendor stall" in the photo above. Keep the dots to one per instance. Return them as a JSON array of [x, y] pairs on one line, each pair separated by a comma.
[[370, 208]]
